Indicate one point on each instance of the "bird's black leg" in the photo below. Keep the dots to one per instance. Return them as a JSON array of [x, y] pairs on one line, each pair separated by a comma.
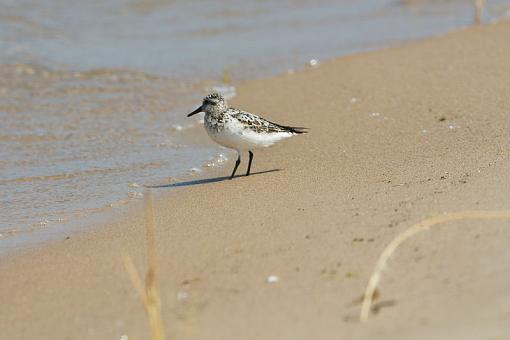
[[249, 163], [235, 167]]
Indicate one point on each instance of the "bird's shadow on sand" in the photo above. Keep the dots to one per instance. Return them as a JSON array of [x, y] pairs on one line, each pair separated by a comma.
[[205, 180]]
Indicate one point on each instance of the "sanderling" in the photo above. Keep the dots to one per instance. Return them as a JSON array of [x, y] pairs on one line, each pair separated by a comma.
[[240, 130]]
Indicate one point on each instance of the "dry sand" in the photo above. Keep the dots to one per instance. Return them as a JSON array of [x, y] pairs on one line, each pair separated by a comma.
[[397, 135]]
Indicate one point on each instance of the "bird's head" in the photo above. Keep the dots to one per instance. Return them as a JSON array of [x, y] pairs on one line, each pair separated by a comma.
[[213, 103]]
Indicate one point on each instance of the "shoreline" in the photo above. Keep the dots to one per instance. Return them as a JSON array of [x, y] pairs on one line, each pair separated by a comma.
[[333, 199], [45, 236], [52, 226], [140, 107]]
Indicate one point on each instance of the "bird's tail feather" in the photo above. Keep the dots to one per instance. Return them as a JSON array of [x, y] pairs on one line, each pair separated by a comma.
[[297, 130], [293, 129]]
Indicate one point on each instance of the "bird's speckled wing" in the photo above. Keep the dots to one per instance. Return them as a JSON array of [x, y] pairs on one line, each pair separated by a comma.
[[261, 125]]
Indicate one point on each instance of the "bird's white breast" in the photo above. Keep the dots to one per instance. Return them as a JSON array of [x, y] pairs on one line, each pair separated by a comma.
[[233, 134]]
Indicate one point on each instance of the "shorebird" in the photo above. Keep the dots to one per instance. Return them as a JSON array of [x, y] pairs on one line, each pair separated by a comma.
[[240, 130]]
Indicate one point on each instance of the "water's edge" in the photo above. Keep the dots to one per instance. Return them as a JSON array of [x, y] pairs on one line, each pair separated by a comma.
[[159, 141]]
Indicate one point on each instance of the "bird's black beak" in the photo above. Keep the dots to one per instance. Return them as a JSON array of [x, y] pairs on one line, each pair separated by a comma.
[[195, 112]]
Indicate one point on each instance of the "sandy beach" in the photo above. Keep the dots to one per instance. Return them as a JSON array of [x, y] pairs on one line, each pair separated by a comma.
[[396, 136]]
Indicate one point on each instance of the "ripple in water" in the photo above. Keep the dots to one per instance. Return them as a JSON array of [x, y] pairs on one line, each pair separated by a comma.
[[72, 142]]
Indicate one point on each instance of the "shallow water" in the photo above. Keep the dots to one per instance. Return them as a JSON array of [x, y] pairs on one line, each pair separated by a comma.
[[93, 94]]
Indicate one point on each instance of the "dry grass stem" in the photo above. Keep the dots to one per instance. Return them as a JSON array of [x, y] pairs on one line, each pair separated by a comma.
[[135, 277], [149, 294], [410, 232], [478, 11], [226, 76]]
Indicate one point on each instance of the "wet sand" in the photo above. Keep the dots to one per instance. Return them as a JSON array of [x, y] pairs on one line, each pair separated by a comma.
[[396, 136]]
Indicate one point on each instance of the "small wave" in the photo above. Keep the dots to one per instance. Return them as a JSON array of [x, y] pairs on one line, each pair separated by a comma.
[[27, 138], [56, 177], [83, 173]]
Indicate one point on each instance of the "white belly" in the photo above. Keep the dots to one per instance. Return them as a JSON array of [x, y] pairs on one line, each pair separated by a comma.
[[235, 136]]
